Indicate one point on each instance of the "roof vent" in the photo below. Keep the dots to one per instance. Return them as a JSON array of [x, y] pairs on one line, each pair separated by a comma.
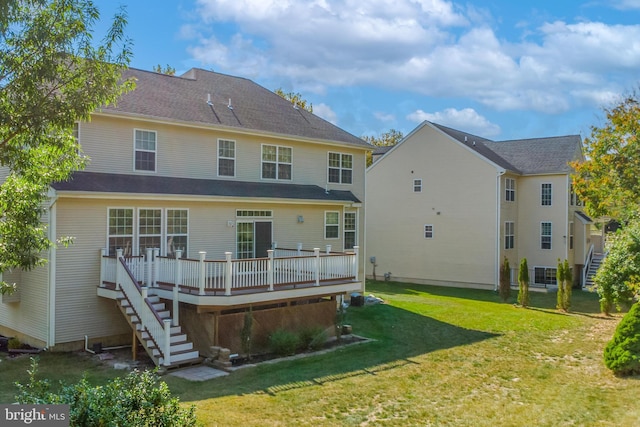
[[230, 107], [209, 99], [474, 143], [295, 106], [465, 138]]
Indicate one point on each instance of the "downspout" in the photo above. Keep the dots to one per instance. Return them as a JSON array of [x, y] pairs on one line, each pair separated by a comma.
[[51, 327], [364, 232], [566, 221], [498, 219]]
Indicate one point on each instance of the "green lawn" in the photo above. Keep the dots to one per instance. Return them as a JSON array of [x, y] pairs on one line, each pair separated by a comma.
[[440, 356]]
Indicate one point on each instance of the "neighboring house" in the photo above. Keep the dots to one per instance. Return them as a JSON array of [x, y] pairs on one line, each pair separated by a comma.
[[445, 207], [218, 170]]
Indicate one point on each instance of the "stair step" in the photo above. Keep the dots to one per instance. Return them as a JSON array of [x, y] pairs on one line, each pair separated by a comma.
[[183, 356]]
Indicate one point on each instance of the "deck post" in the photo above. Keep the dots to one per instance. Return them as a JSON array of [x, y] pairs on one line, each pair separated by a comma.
[[156, 267], [227, 274], [103, 254], [327, 249], [316, 254], [118, 269], [203, 272], [356, 260], [167, 342], [299, 249], [149, 265], [176, 288], [270, 269]]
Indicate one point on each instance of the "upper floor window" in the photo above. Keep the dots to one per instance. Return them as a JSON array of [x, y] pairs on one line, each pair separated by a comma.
[[145, 150], [349, 230], [545, 235], [510, 189], [428, 231], [546, 194], [509, 235], [340, 168], [226, 157], [332, 225], [417, 186], [276, 162]]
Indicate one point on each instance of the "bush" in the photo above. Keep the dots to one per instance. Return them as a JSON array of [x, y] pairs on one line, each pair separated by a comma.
[[137, 400], [308, 335], [318, 341], [505, 280], [523, 283], [622, 353], [14, 343], [283, 342]]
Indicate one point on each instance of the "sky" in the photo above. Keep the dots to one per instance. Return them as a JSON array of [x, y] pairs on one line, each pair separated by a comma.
[[500, 69]]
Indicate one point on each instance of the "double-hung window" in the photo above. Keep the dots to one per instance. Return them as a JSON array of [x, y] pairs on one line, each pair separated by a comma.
[[417, 186], [340, 168], [509, 235], [545, 235], [120, 230], [226, 157], [332, 225], [349, 230], [145, 147], [276, 162], [177, 231], [546, 194], [510, 189], [428, 231], [544, 275], [149, 229]]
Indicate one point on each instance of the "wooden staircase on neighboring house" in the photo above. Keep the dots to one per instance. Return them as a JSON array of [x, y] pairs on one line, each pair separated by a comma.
[[165, 343], [596, 260]]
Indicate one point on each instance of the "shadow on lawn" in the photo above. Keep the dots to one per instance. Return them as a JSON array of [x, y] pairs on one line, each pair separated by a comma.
[[398, 335]]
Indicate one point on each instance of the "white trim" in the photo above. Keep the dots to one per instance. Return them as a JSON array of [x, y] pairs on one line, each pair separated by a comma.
[[135, 149], [512, 189], [332, 225], [218, 158], [345, 231], [277, 162]]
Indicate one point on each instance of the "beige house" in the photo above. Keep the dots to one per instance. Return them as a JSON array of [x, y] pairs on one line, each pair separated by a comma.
[[206, 194], [445, 207]]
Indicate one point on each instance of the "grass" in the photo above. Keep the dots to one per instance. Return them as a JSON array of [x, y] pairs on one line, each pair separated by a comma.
[[441, 356]]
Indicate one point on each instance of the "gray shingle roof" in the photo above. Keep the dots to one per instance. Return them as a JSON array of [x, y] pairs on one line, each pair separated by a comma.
[[523, 156], [184, 98], [153, 184]]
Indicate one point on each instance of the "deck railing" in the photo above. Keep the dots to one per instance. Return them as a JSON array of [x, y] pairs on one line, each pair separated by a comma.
[[229, 276]]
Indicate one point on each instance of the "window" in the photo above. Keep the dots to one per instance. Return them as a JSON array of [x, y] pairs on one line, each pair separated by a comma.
[[510, 189], [417, 186], [331, 225], [177, 231], [349, 230], [546, 195], [571, 235], [261, 214], [245, 240], [544, 276], [149, 229], [120, 232], [545, 235], [276, 162], [145, 150], [509, 235], [340, 168], [428, 231], [226, 157]]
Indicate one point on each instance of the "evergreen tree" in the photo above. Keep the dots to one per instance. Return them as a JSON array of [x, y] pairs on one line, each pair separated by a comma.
[[560, 300], [523, 283], [505, 280], [622, 353], [568, 280]]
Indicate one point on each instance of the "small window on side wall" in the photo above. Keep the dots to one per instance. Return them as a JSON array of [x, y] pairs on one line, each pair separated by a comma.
[[428, 231], [417, 186]]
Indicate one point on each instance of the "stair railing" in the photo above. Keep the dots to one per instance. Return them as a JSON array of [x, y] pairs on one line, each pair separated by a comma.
[[587, 264]]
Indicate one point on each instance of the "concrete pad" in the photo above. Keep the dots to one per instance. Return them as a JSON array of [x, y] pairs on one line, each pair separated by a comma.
[[199, 373]]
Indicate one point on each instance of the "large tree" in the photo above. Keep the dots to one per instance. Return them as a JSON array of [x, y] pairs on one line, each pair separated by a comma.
[[296, 99], [52, 75], [385, 139], [608, 181]]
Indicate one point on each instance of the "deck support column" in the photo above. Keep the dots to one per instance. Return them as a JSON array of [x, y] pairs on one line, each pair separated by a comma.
[[356, 260], [118, 269], [270, 269], [203, 272], [167, 342], [149, 278], [156, 267], [228, 274], [103, 254], [316, 254], [176, 288]]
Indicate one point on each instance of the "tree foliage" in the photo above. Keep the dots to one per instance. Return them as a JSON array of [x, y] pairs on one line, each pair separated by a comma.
[[523, 283], [622, 353], [564, 280], [139, 399], [52, 75], [617, 281], [505, 280], [168, 70], [296, 99], [608, 181], [385, 139]]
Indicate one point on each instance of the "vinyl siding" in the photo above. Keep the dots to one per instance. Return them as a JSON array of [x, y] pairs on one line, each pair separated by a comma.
[[458, 198]]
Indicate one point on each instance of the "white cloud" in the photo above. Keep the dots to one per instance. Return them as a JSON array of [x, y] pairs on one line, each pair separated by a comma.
[[384, 117], [466, 119], [430, 47], [626, 4], [324, 111]]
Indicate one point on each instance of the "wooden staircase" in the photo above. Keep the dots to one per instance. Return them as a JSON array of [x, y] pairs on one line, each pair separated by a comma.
[[596, 260]]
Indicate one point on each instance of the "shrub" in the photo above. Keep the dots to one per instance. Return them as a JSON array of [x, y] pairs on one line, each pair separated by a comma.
[[139, 399], [308, 335], [283, 342], [622, 353], [568, 287], [14, 343], [560, 300], [318, 341], [523, 283], [505, 280]]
